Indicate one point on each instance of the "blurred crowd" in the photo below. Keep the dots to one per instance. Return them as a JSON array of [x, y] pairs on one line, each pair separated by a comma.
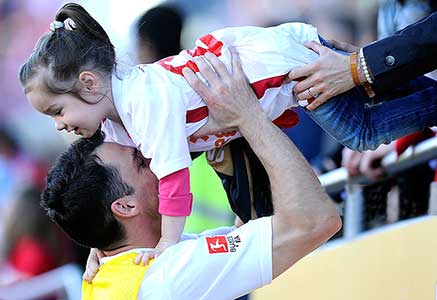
[[30, 244]]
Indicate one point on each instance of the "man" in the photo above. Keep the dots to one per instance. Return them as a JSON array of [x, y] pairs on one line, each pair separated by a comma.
[[104, 195]]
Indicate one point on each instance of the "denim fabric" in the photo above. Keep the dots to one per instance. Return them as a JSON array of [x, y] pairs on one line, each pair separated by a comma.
[[360, 126], [363, 126], [326, 44]]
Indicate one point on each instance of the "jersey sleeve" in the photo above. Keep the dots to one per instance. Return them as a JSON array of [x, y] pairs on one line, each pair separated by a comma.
[[159, 122], [174, 194], [213, 267], [115, 133]]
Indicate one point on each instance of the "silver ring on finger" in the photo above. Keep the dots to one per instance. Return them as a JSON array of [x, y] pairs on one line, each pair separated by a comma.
[[314, 95]]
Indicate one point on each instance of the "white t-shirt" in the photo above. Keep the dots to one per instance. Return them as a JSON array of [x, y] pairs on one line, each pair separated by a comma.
[[160, 111], [225, 263]]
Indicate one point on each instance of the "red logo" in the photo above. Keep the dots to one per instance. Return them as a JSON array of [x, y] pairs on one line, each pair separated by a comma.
[[217, 244]]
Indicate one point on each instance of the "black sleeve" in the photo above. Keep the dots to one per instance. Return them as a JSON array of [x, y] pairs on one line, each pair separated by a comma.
[[248, 187], [405, 55]]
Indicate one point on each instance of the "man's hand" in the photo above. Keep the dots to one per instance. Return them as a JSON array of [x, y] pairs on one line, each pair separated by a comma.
[[325, 77], [223, 93]]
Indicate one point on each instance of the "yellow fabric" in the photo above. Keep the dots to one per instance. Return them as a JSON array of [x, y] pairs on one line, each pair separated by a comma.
[[117, 279]]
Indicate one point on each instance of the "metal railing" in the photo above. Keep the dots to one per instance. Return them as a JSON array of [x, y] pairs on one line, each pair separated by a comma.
[[337, 180], [64, 282]]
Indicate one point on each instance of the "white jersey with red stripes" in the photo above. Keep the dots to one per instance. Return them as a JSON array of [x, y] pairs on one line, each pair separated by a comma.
[[160, 111]]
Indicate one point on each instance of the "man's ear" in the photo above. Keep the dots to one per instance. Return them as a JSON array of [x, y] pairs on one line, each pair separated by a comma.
[[89, 84], [124, 208]]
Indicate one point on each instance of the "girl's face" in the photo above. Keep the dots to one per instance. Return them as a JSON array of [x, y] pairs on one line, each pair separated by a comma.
[[69, 112]]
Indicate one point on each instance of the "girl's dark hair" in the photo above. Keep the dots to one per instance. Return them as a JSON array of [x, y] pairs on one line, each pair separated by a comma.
[[81, 44]]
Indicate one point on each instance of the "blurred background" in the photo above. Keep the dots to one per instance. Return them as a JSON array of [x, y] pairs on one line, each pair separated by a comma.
[[29, 142]]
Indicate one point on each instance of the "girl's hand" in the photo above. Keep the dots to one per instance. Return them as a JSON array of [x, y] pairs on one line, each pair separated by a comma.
[[145, 256], [92, 264]]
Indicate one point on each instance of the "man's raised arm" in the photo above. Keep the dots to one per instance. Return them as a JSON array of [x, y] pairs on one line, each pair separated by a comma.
[[304, 217]]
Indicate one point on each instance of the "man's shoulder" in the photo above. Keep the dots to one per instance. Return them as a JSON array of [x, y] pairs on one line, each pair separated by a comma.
[[118, 277], [218, 258]]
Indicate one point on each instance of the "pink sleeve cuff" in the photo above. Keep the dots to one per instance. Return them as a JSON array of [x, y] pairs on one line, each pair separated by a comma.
[[175, 198], [176, 206]]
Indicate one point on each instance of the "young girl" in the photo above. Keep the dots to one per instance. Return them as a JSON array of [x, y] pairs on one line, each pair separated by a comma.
[[72, 76]]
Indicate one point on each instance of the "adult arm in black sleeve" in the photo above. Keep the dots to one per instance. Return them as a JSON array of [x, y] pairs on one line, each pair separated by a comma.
[[405, 55]]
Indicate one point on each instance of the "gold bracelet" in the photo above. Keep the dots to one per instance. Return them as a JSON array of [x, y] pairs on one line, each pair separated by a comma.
[[354, 68]]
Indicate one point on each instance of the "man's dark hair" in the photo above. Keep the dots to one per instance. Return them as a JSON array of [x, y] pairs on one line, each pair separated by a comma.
[[79, 192]]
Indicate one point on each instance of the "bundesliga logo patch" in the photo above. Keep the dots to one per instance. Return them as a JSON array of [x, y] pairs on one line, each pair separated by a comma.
[[222, 244], [217, 244]]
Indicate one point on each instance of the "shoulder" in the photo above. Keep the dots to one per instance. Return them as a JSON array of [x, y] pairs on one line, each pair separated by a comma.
[[115, 133], [218, 262]]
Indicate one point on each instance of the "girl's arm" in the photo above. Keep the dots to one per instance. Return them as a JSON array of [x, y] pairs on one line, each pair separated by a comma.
[[175, 202], [175, 198]]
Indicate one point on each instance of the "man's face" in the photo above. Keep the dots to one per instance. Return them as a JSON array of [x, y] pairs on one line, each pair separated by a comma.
[[134, 170]]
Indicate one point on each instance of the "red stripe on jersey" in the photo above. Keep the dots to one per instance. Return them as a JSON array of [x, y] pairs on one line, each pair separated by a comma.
[[213, 45], [261, 86], [288, 119], [196, 115], [177, 70]]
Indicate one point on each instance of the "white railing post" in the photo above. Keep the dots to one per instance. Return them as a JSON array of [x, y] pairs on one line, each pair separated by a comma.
[[336, 180], [432, 208], [353, 212]]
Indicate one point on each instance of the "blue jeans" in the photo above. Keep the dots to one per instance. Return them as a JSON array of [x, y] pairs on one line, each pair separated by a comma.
[[360, 126]]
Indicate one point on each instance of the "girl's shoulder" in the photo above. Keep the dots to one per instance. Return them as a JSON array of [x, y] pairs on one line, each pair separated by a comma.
[[123, 72]]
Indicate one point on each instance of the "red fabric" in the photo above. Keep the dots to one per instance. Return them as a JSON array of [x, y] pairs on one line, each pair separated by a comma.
[[31, 257], [175, 198], [413, 139], [261, 86], [288, 119], [212, 45], [196, 115]]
